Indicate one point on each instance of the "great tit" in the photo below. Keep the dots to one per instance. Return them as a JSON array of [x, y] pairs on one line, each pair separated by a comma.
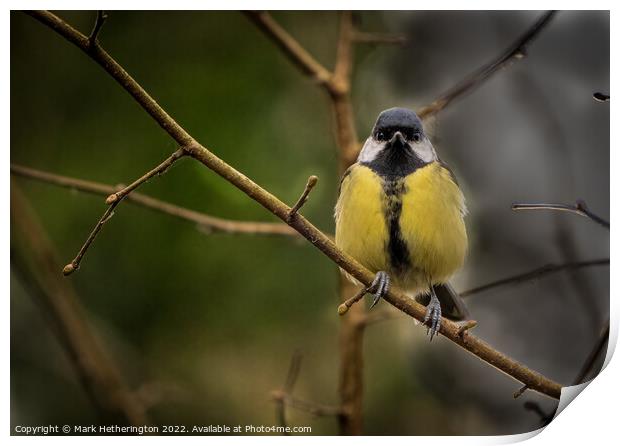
[[400, 213]]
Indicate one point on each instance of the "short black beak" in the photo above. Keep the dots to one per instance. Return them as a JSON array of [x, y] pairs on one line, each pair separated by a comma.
[[398, 141]]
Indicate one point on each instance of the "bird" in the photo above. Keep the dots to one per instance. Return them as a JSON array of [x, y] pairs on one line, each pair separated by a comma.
[[401, 213]]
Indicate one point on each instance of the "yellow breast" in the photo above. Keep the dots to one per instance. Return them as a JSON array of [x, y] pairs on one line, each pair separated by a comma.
[[431, 224], [361, 229]]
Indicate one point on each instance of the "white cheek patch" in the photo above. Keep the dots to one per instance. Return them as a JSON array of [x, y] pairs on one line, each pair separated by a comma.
[[370, 150], [425, 151]]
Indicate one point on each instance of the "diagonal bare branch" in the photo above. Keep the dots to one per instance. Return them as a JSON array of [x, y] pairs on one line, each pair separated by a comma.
[[514, 52]]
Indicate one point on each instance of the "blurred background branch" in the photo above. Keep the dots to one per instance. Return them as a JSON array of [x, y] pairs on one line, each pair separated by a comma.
[[284, 398], [379, 38], [514, 52], [534, 274], [579, 208], [34, 259], [203, 221]]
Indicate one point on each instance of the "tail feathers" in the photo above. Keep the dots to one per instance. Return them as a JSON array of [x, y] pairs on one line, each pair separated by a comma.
[[452, 305]]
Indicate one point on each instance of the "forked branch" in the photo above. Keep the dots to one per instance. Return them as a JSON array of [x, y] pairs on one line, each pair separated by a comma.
[[113, 201]]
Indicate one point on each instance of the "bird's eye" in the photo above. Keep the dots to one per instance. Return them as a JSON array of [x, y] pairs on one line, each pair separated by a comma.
[[416, 137], [380, 136]]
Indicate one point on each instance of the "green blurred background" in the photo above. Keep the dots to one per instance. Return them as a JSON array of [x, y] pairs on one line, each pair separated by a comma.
[[204, 325]]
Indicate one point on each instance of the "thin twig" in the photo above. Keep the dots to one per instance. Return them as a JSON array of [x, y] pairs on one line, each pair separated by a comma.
[[312, 180], [534, 274], [343, 308], [204, 221], [519, 392], [99, 21], [113, 201], [74, 265], [465, 326], [379, 38], [516, 51], [579, 208], [449, 329], [159, 170]]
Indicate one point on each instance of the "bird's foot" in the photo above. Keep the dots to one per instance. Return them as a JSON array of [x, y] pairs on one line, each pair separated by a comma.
[[379, 287], [433, 315]]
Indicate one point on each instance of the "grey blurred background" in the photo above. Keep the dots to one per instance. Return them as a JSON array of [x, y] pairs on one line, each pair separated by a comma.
[[205, 324]]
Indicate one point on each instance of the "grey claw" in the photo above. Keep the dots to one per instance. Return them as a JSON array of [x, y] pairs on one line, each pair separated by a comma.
[[380, 285], [433, 315], [375, 300]]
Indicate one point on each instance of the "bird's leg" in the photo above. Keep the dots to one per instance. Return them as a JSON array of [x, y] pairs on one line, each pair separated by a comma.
[[379, 286], [433, 314]]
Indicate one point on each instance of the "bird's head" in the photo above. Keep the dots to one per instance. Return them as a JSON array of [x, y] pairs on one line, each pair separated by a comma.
[[397, 138]]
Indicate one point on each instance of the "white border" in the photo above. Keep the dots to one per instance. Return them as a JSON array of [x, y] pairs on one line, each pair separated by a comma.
[[591, 419]]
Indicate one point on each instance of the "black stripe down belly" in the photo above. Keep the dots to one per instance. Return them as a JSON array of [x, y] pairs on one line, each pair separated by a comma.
[[397, 250]]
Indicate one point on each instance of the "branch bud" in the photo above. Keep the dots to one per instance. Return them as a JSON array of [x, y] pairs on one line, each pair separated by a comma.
[[68, 269]]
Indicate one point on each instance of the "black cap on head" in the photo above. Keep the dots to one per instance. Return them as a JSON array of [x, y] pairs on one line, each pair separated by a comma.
[[398, 118]]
